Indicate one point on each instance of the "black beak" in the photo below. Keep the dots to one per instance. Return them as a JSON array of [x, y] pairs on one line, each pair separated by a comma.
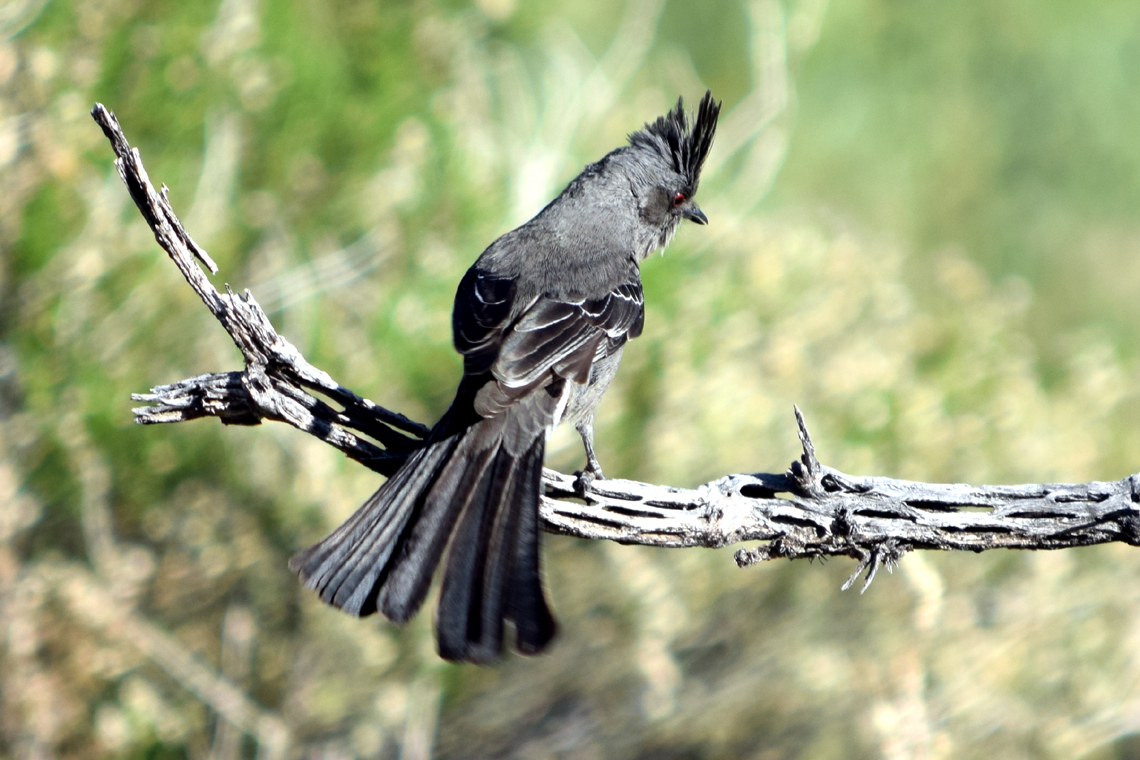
[[694, 214]]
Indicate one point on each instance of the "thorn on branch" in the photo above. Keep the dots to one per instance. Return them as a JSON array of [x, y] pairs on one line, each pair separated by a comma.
[[865, 559], [806, 473], [888, 553]]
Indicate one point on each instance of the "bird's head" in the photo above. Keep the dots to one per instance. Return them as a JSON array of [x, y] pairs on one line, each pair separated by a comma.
[[664, 162]]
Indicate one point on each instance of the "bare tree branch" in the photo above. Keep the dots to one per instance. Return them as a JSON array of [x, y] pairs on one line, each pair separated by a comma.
[[822, 512], [276, 378]]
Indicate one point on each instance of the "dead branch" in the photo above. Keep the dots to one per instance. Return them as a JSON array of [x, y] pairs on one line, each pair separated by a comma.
[[809, 511]]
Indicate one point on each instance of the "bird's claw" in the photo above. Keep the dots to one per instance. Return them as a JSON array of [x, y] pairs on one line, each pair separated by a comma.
[[584, 480]]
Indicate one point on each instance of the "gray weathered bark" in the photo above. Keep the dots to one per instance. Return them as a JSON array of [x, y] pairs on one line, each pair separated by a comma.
[[823, 513]]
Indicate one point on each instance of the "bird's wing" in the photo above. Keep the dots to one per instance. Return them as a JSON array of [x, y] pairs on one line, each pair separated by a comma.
[[524, 346], [484, 304]]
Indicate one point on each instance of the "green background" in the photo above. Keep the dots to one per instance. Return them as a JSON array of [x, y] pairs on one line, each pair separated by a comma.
[[925, 231]]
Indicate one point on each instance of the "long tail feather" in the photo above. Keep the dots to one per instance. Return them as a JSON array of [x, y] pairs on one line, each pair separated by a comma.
[[526, 604]]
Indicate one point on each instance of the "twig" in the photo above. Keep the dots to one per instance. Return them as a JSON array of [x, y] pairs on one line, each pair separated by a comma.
[[826, 512]]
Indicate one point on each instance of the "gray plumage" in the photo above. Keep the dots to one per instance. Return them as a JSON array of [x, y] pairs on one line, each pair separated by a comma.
[[541, 319]]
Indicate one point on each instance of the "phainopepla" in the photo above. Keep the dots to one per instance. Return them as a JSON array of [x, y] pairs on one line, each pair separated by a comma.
[[541, 319]]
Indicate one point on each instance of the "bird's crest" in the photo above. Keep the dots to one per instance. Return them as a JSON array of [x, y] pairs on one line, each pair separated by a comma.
[[683, 144]]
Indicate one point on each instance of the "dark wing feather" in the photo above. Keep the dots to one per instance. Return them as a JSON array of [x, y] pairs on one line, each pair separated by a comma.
[[483, 306], [564, 337], [620, 313]]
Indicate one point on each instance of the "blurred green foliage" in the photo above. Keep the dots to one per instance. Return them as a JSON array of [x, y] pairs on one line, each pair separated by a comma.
[[924, 232]]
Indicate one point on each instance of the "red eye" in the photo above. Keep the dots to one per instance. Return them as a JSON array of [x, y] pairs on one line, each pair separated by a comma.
[[678, 199]]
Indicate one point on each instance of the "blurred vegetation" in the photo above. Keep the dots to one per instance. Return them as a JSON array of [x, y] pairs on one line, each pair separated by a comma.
[[925, 232]]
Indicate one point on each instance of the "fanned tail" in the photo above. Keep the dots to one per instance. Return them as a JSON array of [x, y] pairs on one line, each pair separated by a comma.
[[470, 491]]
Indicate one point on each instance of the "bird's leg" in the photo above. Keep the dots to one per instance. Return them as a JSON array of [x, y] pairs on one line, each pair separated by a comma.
[[593, 470]]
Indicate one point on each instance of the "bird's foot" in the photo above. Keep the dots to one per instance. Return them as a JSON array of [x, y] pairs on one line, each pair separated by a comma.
[[584, 479]]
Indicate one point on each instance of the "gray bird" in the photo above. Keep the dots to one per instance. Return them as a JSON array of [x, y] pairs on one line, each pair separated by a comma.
[[541, 320]]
